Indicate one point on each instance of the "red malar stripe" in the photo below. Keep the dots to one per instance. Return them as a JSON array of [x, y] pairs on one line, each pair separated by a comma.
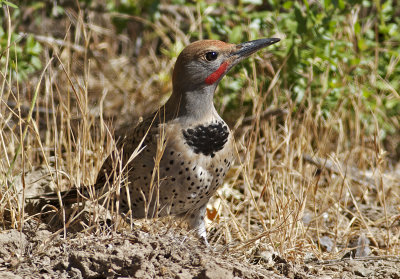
[[217, 74]]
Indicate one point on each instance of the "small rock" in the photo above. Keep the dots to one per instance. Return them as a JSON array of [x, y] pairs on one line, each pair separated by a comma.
[[327, 243], [362, 271], [214, 271], [184, 274], [12, 243], [363, 249]]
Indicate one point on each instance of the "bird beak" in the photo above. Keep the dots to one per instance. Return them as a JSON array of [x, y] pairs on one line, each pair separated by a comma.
[[246, 49], [237, 54]]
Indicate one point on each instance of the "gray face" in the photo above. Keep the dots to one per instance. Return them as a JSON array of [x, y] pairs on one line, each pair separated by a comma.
[[205, 65], [205, 62], [200, 64]]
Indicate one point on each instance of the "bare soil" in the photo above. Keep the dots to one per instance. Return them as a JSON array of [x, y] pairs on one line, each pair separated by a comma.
[[163, 249], [39, 253]]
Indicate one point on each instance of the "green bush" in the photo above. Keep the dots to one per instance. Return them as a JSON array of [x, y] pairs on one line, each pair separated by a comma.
[[341, 51], [337, 53], [24, 52]]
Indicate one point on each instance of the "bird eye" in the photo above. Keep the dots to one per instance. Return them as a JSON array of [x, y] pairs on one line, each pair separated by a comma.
[[211, 56]]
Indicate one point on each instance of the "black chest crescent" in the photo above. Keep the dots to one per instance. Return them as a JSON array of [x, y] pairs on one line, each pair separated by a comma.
[[207, 139]]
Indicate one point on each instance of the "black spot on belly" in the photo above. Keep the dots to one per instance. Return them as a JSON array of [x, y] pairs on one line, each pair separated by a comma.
[[207, 139]]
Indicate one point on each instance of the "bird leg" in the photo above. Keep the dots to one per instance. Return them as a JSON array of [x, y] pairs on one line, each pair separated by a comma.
[[195, 220]]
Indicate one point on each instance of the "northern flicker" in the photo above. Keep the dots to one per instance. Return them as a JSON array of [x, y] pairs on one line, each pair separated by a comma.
[[186, 147]]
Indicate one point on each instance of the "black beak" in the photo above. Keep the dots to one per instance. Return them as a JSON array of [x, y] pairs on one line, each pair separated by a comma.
[[248, 48]]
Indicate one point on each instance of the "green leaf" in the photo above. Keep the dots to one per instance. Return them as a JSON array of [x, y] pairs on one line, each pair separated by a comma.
[[341, 4], [9, 4], [236, 35], [254, 2], [300, 18], [327, 3], [287, 5], [33, 47], [36, 63], [390, 104], [357, 28]]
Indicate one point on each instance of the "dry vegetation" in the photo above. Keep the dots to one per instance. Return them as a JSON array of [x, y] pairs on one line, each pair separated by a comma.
[[308, 186]]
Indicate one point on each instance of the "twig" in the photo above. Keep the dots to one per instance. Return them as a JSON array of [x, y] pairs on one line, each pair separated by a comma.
[[353, 173], [264, 115], [25, 109], [369, 258]]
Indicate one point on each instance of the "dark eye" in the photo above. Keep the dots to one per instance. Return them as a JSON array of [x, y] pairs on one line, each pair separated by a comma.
[[211, 56]]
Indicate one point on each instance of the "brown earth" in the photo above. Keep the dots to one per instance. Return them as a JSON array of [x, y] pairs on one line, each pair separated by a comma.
[[39, 253], [159, 249]]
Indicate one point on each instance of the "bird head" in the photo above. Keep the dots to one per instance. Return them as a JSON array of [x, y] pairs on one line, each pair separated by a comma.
[[197, 72], [205, 63]]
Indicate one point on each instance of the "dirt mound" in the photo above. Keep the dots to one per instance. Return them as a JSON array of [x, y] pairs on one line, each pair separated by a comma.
[[169, 255], [137, 255]]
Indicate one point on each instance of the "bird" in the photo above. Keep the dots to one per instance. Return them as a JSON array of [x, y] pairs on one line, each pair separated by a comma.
[[183, 150]]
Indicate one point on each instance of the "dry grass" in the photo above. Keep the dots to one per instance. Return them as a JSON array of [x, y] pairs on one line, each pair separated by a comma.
[[278, 193]]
